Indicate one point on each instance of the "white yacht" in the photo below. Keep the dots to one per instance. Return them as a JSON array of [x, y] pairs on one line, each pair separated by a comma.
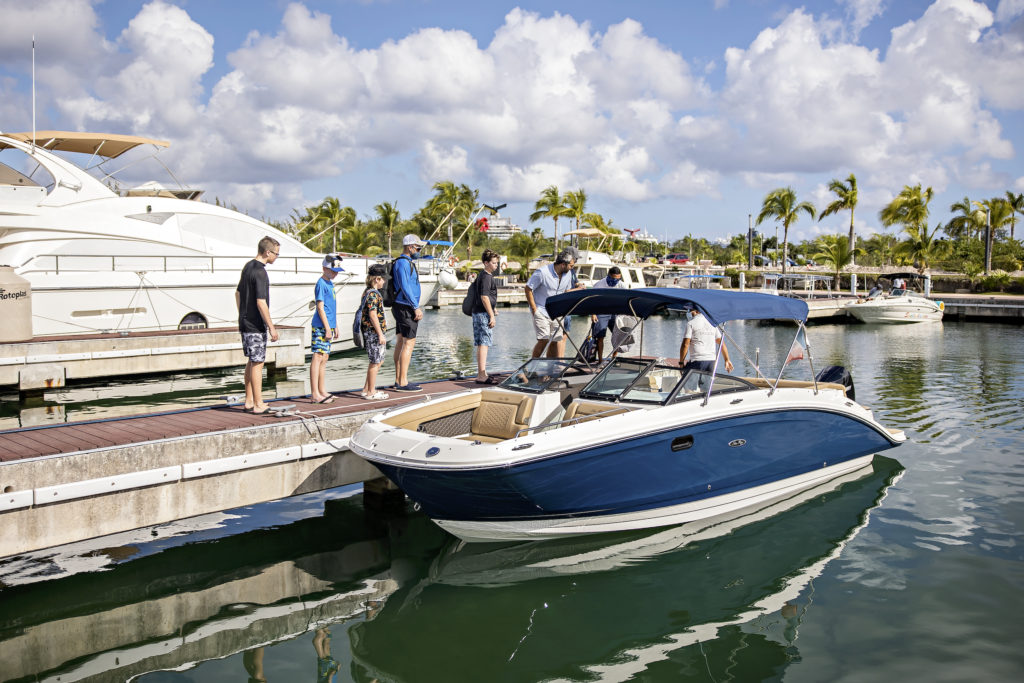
[[101, 257], [900, 305]]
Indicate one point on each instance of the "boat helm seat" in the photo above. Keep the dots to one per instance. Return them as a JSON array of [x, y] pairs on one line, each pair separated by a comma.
[[500, 416], [589, 411]]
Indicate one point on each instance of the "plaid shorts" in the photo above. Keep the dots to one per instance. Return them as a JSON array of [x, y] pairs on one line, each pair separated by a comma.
[[319, 342], [374, 349], [254, 346]]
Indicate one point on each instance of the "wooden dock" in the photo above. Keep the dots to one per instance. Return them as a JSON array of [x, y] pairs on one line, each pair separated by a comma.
[[67, 482]]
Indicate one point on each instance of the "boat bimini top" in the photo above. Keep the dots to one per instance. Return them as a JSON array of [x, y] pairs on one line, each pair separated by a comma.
[[718, 306]]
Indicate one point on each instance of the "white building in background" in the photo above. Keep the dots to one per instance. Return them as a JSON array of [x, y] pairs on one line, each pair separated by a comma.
[[501, 227]]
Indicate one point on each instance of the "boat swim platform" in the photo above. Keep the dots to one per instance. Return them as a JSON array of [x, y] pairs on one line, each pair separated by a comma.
[[43, 363], [68, 482]]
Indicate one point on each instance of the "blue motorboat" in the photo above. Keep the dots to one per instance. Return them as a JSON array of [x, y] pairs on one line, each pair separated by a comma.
[[560, 448]]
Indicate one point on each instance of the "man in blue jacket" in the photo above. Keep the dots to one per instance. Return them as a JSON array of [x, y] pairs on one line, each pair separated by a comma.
[[406, 309]]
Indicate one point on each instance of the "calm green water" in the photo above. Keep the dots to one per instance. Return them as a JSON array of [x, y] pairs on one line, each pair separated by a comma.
[[914, 570]]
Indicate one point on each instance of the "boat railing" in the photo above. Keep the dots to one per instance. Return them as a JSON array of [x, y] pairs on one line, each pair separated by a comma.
[[570, 421], [72, 263]]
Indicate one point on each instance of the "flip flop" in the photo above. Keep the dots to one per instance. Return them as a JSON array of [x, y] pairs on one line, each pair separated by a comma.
[[328, 399], [247, 410], [260, 412], [489, 380]]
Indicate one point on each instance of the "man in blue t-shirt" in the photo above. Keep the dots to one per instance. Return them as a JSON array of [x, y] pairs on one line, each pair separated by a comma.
[[406, 309], [324, 329]]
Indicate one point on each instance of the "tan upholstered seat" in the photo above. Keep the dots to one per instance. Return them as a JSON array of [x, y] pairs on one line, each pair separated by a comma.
[[586, 411], [500, 416]]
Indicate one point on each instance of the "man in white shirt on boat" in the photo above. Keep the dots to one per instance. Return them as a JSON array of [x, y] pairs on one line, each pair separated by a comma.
[[701, 340], [611, 281]]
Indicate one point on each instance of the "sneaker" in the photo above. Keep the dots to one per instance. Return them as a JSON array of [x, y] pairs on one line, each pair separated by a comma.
[[410, 387]]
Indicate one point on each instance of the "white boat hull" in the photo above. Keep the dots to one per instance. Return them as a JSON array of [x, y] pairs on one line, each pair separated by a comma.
[[897, 311]]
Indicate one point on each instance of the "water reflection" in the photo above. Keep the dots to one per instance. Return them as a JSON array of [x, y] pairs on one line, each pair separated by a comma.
[[353, 594], [725, 597], [210, 600]]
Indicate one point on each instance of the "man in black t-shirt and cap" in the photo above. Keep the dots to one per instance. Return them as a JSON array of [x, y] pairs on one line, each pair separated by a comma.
[[252, 297]]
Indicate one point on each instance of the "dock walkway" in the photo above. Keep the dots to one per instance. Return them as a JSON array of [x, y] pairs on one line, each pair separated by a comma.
[[67, 482], [49, 362]]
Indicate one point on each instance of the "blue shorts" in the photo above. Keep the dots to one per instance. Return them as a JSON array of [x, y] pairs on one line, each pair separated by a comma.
[[319, 342], [483, 335], [601, 326], [254, 346]]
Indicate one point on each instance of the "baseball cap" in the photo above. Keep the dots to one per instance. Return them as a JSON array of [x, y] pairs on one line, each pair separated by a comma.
[[412, 240], [333, 262]]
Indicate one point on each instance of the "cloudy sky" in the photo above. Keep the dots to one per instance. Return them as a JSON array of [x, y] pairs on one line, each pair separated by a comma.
[[674, 116]]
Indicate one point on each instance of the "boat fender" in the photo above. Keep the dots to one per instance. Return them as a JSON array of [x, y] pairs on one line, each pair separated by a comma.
[[837, 374]]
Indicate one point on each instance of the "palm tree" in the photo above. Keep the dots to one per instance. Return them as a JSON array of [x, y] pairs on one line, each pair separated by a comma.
[[908, 208], [847, 200], [328, 218], [387, 214], [968, 223], [922, 247], [522, 247], [550, 205], [998, 214], [836, 252], [576, 205], [360, 238], [781, 205], [1016, 202]]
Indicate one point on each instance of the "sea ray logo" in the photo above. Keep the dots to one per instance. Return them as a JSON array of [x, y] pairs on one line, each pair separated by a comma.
[[432, 451], [736, 443]]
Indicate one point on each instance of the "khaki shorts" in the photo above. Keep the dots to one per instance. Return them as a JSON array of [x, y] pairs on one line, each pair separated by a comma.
[[544, 327]]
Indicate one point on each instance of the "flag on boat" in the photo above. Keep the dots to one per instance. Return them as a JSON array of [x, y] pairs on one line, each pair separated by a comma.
[[796, 351]]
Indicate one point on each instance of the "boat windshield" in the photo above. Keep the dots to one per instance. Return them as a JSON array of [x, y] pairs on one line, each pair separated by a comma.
[[633, 380], [537, 374]]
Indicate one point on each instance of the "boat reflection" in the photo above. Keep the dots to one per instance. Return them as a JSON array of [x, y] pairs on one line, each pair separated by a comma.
[[723, 597]]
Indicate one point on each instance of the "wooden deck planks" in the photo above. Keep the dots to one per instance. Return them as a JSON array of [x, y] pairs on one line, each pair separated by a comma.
[[18, 444]]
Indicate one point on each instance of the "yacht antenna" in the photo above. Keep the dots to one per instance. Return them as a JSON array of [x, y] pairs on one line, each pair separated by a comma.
[[33, 93]]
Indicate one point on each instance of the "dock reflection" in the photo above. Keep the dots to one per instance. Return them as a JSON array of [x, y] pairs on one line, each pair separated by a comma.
[[206, 600]]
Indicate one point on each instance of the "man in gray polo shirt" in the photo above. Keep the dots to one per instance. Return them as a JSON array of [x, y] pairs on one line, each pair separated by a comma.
[[547, 281]]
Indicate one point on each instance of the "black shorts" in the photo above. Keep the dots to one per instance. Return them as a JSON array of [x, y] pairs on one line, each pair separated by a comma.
[[405, 320]]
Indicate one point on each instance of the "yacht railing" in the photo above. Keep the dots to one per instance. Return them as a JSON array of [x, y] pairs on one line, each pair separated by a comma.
[[72, 263]]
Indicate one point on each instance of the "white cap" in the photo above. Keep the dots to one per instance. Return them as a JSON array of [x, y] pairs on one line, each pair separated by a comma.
[[412, 240], [333, 262]]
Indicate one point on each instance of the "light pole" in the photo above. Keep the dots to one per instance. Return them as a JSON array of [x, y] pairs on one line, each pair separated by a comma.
[[750, 241]]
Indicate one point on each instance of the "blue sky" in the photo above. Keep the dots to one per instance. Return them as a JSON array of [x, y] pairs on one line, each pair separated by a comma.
[[676, 117]]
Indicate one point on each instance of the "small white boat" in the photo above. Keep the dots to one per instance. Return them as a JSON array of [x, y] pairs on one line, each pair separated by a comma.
[[901, 305], [556, 450], [102, 258]]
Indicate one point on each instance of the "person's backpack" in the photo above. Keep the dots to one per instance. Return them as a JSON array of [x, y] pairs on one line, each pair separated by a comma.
[[470, 300], [357, 325], [588, 349], [390, 292]]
